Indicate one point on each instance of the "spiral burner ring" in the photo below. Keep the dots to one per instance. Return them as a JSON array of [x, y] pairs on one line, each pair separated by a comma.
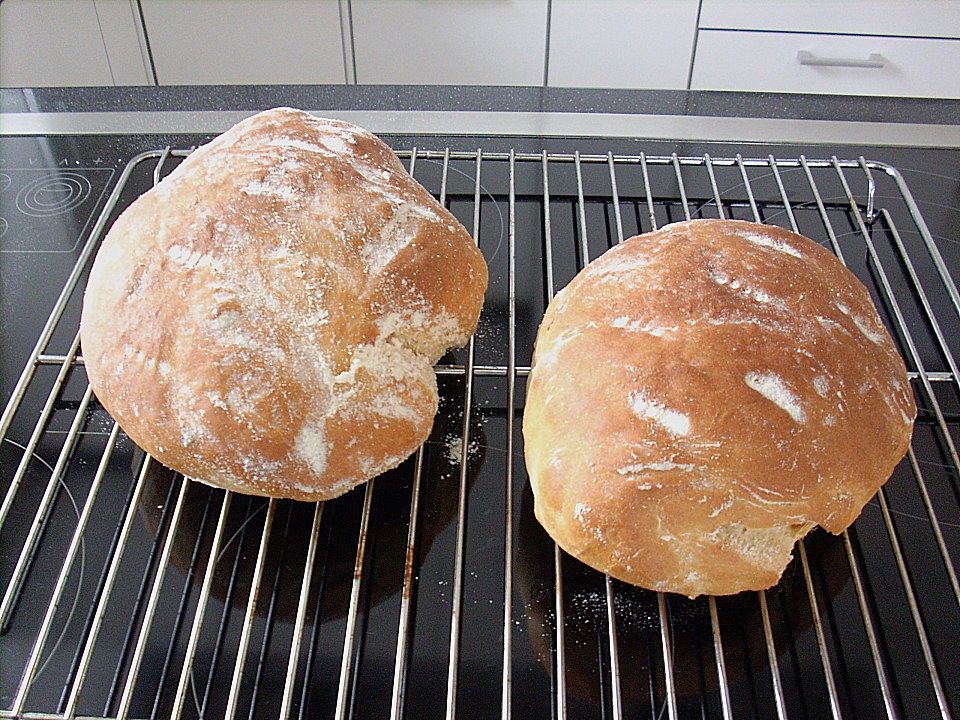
[[53, 194]]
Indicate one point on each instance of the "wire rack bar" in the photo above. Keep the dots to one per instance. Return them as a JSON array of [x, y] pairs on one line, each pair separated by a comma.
[[406, 595], [186, 669], [454, 369], [714, 617], [507, 669], [818, 629], [181, 609], [269, 620], [885, 688], [559, 697], [453, 667], [608, 586], [774, 664], [616, 695], [312, 644], [666, 647], [298, 625], [224, 614], [681, 187], [721, 663], [349, 637]]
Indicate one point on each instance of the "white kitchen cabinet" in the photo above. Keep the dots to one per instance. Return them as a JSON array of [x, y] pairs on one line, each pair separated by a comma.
[[908, 18], [46, 43], [809, 63], [214, 42], [435, 42], [616, 44]]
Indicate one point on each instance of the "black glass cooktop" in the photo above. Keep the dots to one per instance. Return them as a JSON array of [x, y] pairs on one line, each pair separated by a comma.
[[52, 191]]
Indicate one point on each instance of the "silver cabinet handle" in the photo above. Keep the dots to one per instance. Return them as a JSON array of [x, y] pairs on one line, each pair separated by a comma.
[[875, 60]]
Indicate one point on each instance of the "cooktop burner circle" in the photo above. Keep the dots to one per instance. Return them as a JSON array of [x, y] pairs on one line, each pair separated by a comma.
[[53, 194], [3, 226], [4, 181]]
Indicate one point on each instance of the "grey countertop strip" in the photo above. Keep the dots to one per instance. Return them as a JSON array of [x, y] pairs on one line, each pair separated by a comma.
[[538, 124], [251, 98]]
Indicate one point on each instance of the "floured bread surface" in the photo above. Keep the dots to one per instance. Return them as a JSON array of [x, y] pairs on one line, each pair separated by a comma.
[[266, 318], [704, 395]]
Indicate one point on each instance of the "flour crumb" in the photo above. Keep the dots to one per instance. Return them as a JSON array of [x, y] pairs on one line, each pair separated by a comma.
[[311, 446], [454, 448]]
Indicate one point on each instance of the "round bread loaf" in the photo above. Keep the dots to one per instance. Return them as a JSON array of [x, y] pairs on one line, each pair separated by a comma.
[[701, 397], [266, 318]]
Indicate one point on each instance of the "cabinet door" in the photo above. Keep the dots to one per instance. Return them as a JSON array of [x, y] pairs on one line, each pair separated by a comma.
[[210, 42], [438, 42], [615, 44], [45, 43]]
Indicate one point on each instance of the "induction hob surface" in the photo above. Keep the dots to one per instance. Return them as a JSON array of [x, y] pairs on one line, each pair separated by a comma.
[[433, 591]]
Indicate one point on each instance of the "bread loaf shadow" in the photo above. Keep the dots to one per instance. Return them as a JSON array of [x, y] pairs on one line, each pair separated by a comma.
[[336, 553], [639, 641]]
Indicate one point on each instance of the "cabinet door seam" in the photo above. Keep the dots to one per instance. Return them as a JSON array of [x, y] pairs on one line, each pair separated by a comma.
[[146, 42], [693, 50]]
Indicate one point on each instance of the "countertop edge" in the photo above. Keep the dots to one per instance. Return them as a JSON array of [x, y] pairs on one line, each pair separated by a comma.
[[517, 123], [448, 98]]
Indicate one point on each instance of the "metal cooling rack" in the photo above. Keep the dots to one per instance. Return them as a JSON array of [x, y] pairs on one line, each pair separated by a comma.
[[129, 591]]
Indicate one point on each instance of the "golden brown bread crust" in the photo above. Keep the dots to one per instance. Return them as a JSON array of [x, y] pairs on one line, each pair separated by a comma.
[[701, 397], [267, 317]]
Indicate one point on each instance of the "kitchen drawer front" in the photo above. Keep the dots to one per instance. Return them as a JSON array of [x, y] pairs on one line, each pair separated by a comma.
[[911, 18], [767, 61]]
